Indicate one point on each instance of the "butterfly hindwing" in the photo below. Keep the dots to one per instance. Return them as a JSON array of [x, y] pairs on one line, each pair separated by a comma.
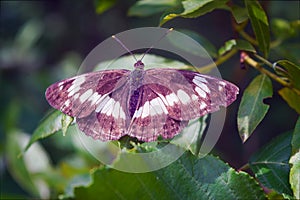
[[110, 119], [152, 116]]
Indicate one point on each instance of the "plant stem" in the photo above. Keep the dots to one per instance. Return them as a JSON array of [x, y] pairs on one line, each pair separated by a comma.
[[244, 167], [257, 66], [219, 61], [262, 70], [246, 36], [264, 60]]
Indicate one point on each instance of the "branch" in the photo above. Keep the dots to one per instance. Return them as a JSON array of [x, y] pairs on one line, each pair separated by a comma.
[[262, 70], [219, 61]]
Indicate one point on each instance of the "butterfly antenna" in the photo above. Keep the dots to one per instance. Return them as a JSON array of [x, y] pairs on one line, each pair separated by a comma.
[[121, 43], [164, 35]]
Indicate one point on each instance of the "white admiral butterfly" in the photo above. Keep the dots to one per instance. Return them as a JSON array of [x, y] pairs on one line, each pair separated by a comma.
[[141, 103]]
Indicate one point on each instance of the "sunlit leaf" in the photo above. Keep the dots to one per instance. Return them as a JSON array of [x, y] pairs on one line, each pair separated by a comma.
[[230, 44], [271, 164], [145, 8], [252, 110], [187, 178], [104, 5], [195, 8], [295, 174], [239, 44], [291, 98], [66, 121], [260, 25]]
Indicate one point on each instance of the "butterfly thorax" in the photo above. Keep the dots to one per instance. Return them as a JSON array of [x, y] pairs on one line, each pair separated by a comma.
[[136, 76], [136, 81]]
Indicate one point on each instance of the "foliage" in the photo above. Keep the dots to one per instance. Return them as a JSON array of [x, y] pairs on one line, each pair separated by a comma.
[[275, 166], [252, 109]]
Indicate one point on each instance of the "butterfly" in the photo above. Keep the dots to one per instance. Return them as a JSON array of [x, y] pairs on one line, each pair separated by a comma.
[[144, 104], [141, 103]]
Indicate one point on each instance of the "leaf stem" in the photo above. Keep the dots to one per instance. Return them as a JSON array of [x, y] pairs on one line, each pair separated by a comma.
[[244, 167], [263, 60], [219, 61], [246, 36], [262, 70]]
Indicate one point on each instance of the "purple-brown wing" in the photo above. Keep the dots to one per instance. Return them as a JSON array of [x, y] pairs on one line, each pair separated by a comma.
[[170, 98], [152, 117], [162, 106], [79, 96], [190, 94], [110, 119], [96, 101]]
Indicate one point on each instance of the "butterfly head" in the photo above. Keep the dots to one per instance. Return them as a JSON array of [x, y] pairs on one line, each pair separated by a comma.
[[139, 65]]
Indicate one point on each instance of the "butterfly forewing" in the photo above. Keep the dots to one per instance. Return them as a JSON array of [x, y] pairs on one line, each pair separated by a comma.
[[80, 95], [210, 90]]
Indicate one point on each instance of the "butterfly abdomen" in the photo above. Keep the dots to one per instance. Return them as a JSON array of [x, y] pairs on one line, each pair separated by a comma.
[[136, 81]]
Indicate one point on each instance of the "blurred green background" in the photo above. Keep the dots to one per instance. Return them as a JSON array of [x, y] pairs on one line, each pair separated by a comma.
[[45, 41]]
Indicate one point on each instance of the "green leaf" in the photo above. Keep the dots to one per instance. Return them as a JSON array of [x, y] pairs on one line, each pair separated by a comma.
[[230, 44], [295, 161], [295, 174], [104, 5], [206, 44], [240, 14], [26, 169], [271, 166], [283, 29], [296, 138], [150, 60], [187, 178], [66, 121], [252, 110], [77, 181], [191, 140], [291, 71], [260, 25], [49, 126], [244, 45], [145, 8], [291, 98], [241, 45], [194, 8]]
